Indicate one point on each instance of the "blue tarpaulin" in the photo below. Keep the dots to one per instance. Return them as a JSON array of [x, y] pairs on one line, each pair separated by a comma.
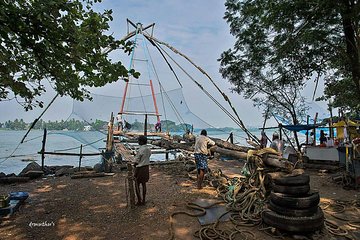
[[300, 127]]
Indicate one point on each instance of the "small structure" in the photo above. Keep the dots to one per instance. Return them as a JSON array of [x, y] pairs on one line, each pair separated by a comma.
[[87, 128]]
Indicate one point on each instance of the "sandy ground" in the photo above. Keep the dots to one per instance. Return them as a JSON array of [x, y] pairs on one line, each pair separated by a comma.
[[97, 208]]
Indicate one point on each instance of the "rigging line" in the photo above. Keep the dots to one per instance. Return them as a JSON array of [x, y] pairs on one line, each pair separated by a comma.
[[177, 114], [6, 158], [37, 119], [169, 65], [222, 93], [163, 90], [131, 65], [22, 155], [33, 138], [81, 119], [62, 150], [180, 119], [207, 93], [148, 67], [32, 125], [288, 138]]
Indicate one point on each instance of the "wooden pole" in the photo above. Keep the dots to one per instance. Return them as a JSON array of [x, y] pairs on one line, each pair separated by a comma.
[[80, 156], [145, 125], [109, 140], [131, 185], [154, 100], [43, 150], [307, 131], [331, 132], [314, 130]]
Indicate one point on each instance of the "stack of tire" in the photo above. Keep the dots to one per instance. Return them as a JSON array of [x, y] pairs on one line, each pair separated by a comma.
[[292, 207]]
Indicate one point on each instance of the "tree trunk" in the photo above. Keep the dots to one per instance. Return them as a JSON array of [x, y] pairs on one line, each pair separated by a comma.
[[352, 47]]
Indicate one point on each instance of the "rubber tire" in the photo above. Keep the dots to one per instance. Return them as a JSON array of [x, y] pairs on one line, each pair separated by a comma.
[[292, 190], [292, 212], [297, 180], [306, 201], [294, 224]]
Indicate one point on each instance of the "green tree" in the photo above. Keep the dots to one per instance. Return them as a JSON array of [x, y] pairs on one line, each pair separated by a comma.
[[60, 41], [285, 43]]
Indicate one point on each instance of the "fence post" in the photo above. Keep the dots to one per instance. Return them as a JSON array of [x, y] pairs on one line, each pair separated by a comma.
[[80, 156], [43, 150]]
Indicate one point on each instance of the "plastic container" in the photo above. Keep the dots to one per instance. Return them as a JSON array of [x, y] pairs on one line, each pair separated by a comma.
[[22, 196]]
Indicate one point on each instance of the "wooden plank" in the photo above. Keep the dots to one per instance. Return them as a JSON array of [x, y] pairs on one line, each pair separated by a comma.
[[124, 152]]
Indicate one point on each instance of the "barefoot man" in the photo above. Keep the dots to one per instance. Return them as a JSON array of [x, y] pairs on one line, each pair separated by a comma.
[[201, 153], [141, 174]]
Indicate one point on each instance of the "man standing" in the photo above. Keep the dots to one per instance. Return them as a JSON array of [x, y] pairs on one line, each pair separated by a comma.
[[263, 139], [201, 153], [141, 174], [277, 144]]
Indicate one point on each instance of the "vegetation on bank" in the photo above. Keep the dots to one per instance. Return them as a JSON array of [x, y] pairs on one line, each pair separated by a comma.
[[79, 125]]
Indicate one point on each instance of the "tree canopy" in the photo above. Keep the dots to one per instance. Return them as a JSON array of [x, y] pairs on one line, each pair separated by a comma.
[[60, 41], [282, 44]]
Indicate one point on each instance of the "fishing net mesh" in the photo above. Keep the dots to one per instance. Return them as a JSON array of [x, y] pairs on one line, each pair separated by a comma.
[[172, 108]]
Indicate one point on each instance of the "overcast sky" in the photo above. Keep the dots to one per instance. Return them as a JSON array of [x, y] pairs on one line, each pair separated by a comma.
[[196, 28]]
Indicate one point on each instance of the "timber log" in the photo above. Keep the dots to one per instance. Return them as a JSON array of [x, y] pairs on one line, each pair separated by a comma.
[[228, 152], [228, 145], [222, 147]]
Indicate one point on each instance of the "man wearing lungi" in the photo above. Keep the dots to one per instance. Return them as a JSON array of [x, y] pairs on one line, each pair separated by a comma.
[[201, 155], [141, 174]]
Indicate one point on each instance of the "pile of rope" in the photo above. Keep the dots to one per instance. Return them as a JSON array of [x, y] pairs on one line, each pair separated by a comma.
[[244, 197], [335, 209]]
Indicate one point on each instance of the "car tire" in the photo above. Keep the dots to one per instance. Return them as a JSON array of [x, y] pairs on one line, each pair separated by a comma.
[[308, 200], [297, 180], [292, 212], [294, 224], [292, 190]]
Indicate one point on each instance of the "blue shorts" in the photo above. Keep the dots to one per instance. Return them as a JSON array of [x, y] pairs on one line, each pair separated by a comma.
[[201, 161]]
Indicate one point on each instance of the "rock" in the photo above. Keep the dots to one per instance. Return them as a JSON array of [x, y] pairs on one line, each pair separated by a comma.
[[33, 174], [33, 166], [64, 171], [98, 167]]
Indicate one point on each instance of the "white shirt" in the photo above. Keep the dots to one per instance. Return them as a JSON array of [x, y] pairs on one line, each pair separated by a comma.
[[278, 145], [201, 144], [142, 157]]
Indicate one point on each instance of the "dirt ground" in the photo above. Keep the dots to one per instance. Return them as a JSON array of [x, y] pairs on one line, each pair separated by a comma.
[[97, 208]]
